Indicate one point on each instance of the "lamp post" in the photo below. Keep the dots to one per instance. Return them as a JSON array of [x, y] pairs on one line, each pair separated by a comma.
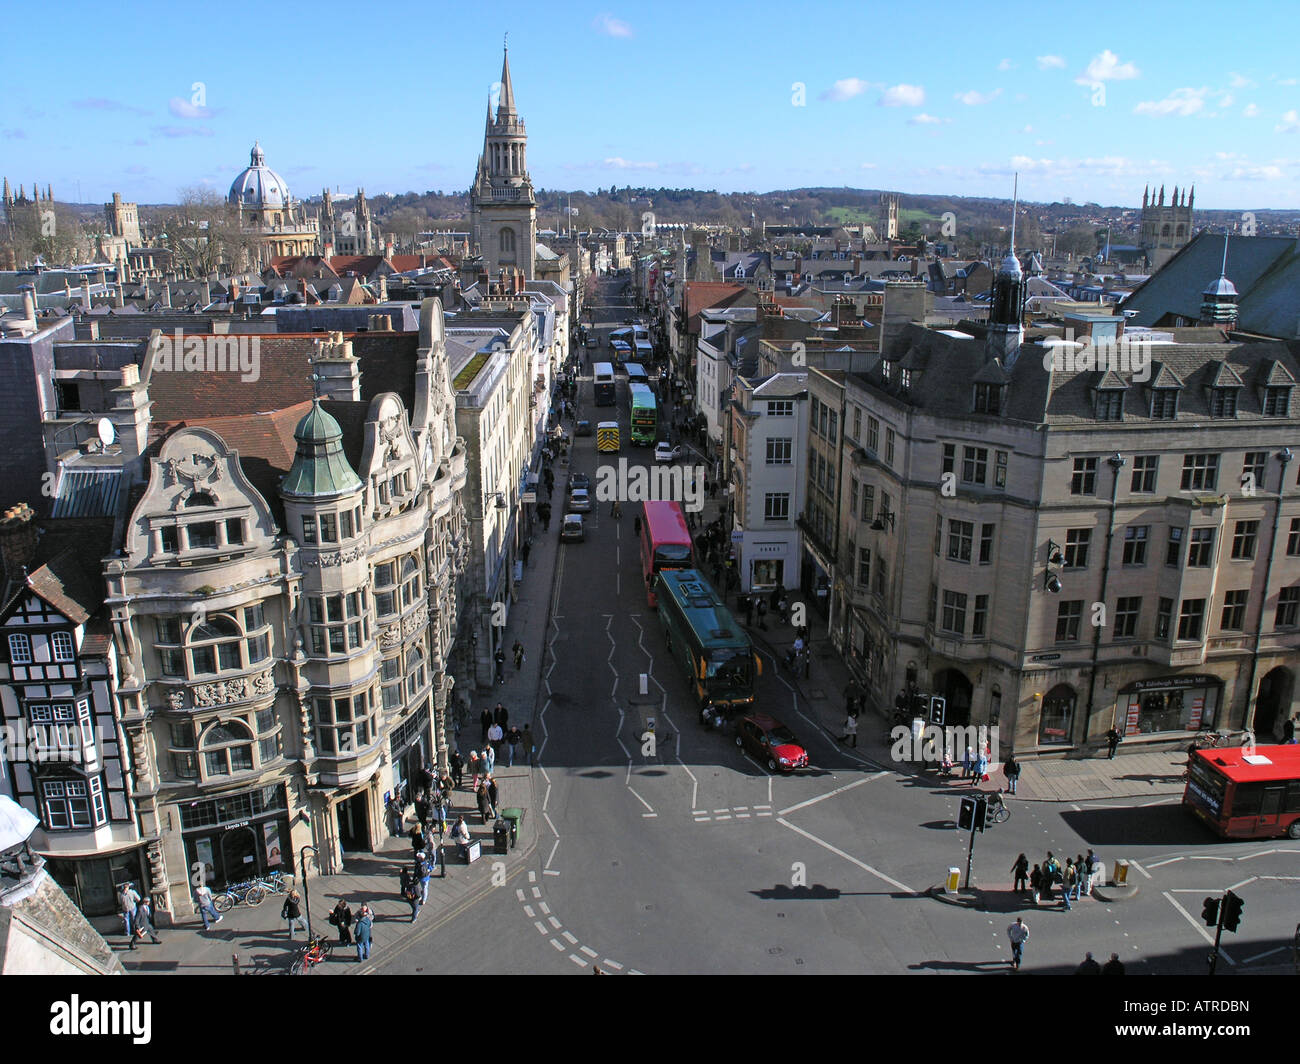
[[306, 894]]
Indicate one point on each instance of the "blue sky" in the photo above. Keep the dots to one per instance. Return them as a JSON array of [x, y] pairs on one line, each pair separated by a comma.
[[758, 96]]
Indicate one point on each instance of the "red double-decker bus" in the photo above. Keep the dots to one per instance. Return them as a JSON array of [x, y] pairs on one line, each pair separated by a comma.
[[1246, 792], [665, 543]]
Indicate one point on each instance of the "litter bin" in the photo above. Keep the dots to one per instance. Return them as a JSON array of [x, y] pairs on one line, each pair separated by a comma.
[[500, 837], [1121, 873], [953, 881], [513, 816]]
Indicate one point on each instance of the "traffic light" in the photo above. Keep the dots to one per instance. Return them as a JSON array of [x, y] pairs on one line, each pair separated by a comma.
[[1210, 914], [981, 810], [1232, 906], [938, 707], [966, 818]]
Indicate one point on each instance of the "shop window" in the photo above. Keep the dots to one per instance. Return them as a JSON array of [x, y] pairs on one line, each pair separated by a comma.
[[1057, 715]]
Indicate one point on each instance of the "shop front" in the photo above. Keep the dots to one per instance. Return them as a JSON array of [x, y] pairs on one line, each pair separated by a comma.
[[767, 565], [409, 745], [93, 882], [237, 836], [1170, 704]]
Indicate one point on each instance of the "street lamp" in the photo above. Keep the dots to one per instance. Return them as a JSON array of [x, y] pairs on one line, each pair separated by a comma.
[[883, 518], [306, 894]]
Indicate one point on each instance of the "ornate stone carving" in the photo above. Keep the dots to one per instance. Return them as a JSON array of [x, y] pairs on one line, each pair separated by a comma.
[[329, 561], [177, 700], [223, 692], [390, 637], [416, 621]]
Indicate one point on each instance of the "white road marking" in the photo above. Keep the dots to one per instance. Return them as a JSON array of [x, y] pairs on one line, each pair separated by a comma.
[[848, 857], [1203, 932], [569, 937], [544, 907], [831, 794], [1207, 858], [1134, 864], [647, 816], [541, 927], [519, 892], [641, 800], [1161, 864], [1266, 953], [577, 960], [548, 872], [551, 857], [613, 964], [530, 912], [558, 944], [589, 951], [1237, 886]]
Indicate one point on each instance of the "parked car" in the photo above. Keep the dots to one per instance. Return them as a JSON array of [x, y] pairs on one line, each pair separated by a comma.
[[771, 743], [579, 480], [667, 452], [571, 530], [580, 501], [593, 341], [583, 428]]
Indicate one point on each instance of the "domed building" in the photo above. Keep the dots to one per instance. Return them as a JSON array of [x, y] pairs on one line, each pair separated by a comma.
[[268, 209]]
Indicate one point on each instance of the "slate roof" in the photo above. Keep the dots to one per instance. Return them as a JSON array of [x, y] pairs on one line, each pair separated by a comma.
[[87, 493]]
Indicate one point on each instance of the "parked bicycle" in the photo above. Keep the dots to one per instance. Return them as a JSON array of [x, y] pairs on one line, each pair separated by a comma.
[[1211, 739], [276, 882], [251, 893], [316, 950]]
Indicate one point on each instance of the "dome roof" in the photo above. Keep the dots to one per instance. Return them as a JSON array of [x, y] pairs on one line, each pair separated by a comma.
[[320, 467], [259, 186], [1010, 266], [1221, 287]]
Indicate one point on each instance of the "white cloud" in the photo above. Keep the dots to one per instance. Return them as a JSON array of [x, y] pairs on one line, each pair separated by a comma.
[[846, 89], [619, 163], [924, 119], [1239, 82], [868, 166], [1106, 67], [184, 109], [971, 98], [1043, 143], [1255, 173], [1289, 124], [1181, 102], [1006, 64], [1027, 129], [1250, 110], [902, 96], [611, 26], [1288, 81], [1050, 62], [1226, 100]]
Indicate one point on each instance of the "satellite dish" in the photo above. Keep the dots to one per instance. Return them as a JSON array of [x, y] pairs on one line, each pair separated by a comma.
[[107, 434]]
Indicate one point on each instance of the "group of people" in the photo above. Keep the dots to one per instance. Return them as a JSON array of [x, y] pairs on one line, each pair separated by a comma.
[[137, 914], [1076, 878], [498, 736], [354, 928]]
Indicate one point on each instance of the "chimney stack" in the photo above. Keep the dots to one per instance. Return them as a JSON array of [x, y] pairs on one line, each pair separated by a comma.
[[17, 541], [120, 298], [85, 291], [103, 277], [29, 305], [383, 287], [234, 289]]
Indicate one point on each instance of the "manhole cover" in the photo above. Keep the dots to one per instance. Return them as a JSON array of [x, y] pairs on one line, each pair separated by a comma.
[[776, 951]]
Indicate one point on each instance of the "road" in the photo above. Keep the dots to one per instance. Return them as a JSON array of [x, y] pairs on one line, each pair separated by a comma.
[[691, 858]]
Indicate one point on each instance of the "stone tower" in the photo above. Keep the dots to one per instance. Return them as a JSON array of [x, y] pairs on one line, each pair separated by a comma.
[[1165, 228], [888, 216], [503, 208]]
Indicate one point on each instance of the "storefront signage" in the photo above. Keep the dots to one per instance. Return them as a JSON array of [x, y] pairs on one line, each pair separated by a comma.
[[236, 824], [1046, 657], [1173, 683]]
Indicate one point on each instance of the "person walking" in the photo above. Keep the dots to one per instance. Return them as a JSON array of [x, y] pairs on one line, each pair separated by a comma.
[[1018, 933], [526, 741], [1021, 872], [1114, 966], [417, 838], [475, 769], [967, 763], [493, 796], [127, 900], [424, 870], [501, 715], [1080, 878], [526, 549], [513, 738], [203, 902], [291, 912], [1012, 771], [410, 891], [365, 921], [481, 796], [484, 722], [1050, 871], [1069, 881], [341, 917], [144, 921], [457, 765], [1090, 869], [1036, 884], [520, 656], [496, 735], [982, 767], [500, 658], [1088, 967], [423, 811], [749, 611], [761, 607], [489, 761], [850, 730], [1113, 739]]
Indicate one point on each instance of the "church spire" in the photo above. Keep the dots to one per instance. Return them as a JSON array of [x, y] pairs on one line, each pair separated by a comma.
[[507, 103]]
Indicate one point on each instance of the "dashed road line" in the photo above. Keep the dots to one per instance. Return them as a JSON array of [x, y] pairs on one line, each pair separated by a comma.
[[848, 857], [830, 794]]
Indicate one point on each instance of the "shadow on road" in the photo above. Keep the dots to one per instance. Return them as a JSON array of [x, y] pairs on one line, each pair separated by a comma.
[[1163, 825]]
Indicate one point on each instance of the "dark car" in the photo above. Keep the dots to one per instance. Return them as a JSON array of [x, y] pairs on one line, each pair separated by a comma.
[[771, 742], [579, 480], [583, 428]]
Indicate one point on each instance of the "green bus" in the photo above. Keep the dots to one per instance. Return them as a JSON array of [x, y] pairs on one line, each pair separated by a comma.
[[645, 427], [702, 635]]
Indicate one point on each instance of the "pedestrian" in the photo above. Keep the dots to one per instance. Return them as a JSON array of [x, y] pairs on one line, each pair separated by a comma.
[[1088, 967], [500, 658], [520, 656], [489, 761], [1050, 871], [783, 607], [460, 836], [749, 611], [495, 737], [424, 871], [1089, 870], [1019, 935], [494, 795], [457, 764], [1021, 871], [341, 917], [1114, 966], [850, 730], [1012, 771], [144, 921], [526, 741], [423, 811], [410, 891], [524, 550], [1036, 884], [203, 902], [982, 767], [967, 763], [396, 816], [291, 911], [501, 715], [365, 920], [417, 838], [481, 795], [762, 613], [127, 900], [1069, 882], [485, 722], [513, 738], [475, 769], [1113, 739]]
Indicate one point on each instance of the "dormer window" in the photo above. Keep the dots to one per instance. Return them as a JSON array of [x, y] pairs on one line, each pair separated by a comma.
[[1223, 402], [988, 399], [1164, 403], [1277, 402], [1110, 404]]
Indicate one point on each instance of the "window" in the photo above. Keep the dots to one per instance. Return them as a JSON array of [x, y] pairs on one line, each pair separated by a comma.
[[254, 618], [988, 399], [868, 502], [235, 531], [1135, 544], [1084, 479], [960, 534], [864, 566], [890, 436], [1234, 611], [873, 434], [1164, 615], [173, 661], [1254, 467], [780, 451], [227, 748], [1164, 403], [979, 619], [61, 643], [1293, 538], [1277, 402], [328, 528], [1244, 535], [1144, 473], [1200, 554], [857, 423], [855, 491], [832, 432], [1077, 541], [780, 408], [20, 648], [1126, 616], [974, 465], [1068, 617], [938, 536], [73, 803], [1288, 608], [1191, 618], [214, 646], [986, 543], [169, 629], [949, 457], [169, 539], [201, 536], [336, 623], [1223, 402], [1000, 472], [1110, 404], [309, 530], [411, 582], [776, 506], [882, 574], [954, 613], [1200, 472], [1174, 551]]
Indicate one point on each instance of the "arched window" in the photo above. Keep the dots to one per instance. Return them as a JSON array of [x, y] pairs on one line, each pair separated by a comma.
[[227, 747], [415, 674], [507, 241], [1164, 229], [200, 498], [1180, 230], [214, 646], [1057, 716], [410, 581]]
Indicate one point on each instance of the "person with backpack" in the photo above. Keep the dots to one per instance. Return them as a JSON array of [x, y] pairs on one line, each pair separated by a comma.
[[1069, 882], [410, 891], [365, 921]]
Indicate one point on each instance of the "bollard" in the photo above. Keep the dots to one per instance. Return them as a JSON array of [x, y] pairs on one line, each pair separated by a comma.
[[234, 960], [953, 881], [1121, 874], [645, 684]]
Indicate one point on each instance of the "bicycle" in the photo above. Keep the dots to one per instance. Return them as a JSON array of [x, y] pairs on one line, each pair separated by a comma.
[[239, 894], [997, 811], [316, 951], [275, 882]]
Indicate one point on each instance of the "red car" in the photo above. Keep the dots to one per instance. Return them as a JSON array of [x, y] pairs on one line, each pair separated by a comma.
[[771, 742]]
